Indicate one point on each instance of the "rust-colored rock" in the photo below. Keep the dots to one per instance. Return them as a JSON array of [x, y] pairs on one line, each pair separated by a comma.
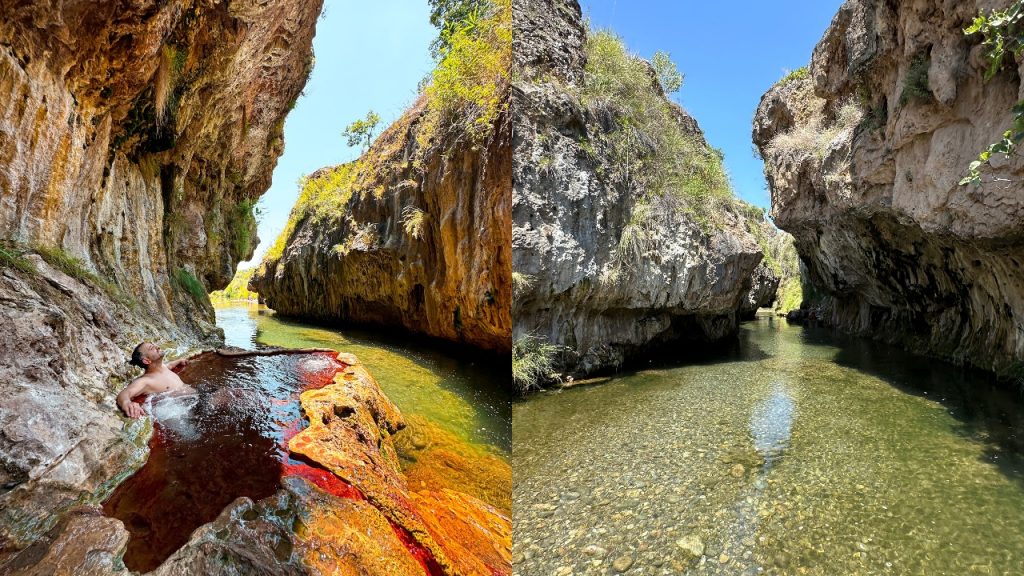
[[352, 538], [449, 276], [351, 424], [477, 537]]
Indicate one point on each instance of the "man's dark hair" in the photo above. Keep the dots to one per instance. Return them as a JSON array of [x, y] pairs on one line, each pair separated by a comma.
[[137, 356]]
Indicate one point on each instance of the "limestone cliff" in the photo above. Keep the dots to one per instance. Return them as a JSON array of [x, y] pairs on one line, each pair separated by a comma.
[[613, 252], [134, 138], [864, 154], [416, 233]]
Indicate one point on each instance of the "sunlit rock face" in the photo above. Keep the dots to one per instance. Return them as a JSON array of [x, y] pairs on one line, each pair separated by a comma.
[[350, 434], [568, 220], [417, 235], [134, 136], [900, 250]]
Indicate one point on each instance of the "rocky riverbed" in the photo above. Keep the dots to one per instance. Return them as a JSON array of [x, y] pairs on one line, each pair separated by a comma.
[[795, 453]]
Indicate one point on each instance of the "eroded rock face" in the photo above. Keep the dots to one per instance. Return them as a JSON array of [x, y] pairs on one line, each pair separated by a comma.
[[568, 220], [901, 251], [450, 280], [763, 288], [134, 137]]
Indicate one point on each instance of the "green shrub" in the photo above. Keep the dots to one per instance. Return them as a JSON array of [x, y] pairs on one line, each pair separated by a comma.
[[241, 226], [915, 86], [669, 76], [648, 150], [1003, 34], [789, 296], [521, 283], [469, 86], [360, 132], [533, 362], [450, 16], [798, 74], [325, 193], [12, 255], [238, 288], [413, 221]]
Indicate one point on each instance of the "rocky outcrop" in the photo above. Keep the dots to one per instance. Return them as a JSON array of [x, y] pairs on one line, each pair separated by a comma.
[[419, 234], [134, 138], [575, 285], [899, 249], [350, 434], [764, 284]]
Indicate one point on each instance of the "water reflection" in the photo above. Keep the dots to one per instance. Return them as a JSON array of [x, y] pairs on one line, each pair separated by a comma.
[[771, 424]]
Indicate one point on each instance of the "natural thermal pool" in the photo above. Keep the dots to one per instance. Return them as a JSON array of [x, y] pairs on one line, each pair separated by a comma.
[[225, 441], [796, 452]]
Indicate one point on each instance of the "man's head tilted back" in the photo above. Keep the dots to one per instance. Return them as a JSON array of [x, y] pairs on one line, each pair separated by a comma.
[[146, 353]]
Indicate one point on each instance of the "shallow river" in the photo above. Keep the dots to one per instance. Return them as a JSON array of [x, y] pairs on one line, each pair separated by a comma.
[[795, 452]]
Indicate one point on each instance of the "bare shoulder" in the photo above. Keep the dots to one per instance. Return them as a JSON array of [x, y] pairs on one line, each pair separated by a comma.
[[142, 383]]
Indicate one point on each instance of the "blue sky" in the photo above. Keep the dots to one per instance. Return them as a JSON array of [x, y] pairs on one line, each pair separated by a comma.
[[368, 55], [730, 55]]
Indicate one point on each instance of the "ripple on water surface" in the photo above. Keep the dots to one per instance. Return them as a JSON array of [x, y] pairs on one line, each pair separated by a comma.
[[209, 448], [797, 452]]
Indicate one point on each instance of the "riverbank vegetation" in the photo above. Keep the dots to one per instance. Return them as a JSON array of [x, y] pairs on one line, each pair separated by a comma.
[[533, 362], [238, 288], [650, 148]]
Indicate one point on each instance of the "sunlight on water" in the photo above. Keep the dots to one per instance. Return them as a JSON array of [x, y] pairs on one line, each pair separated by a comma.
[[798, 452], [468, 399]]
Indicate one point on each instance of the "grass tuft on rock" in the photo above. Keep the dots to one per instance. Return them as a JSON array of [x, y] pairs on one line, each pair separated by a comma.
[[533, 362], [192, 285], [12, 255]]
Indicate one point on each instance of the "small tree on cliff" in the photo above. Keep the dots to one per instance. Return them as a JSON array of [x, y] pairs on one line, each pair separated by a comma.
[[361, 132], [669, 76], [449, 16]]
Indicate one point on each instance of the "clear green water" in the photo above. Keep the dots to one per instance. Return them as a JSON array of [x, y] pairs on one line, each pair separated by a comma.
[[466, 397], [796, 452]]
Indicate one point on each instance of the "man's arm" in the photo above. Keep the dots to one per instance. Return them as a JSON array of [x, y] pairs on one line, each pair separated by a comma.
[[124, 399], [179, 363]]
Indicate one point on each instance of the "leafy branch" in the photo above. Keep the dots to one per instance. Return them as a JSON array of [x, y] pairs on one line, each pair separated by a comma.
[[1003, 32]]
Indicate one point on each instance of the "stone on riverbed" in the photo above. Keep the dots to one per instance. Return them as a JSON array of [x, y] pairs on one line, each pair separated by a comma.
[[691, 545]]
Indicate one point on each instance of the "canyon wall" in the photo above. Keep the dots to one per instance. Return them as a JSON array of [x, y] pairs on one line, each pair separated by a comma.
[[577, 284], [416, 233], [898, 248], [134, 139]]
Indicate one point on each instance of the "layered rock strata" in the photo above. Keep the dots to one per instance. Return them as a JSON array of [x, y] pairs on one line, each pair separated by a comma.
[[898, 248], [134, 138], [574, 288]]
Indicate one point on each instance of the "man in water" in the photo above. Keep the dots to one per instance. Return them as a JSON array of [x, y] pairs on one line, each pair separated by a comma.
[[157, 379]]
